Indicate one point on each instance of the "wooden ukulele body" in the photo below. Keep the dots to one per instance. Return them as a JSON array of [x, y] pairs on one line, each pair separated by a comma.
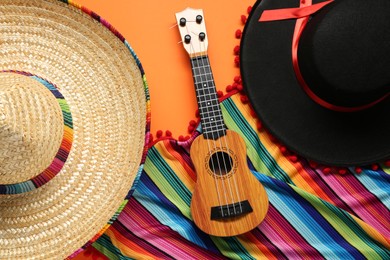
[[228, 199]]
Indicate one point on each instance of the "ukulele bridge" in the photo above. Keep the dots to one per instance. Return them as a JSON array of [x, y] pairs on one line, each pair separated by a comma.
[[231, 210]]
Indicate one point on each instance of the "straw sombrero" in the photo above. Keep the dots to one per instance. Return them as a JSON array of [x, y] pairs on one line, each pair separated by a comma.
[[317, 75], [73, 124]]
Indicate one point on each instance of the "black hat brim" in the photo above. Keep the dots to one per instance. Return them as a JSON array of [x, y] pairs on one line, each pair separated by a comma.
[[316, 133]]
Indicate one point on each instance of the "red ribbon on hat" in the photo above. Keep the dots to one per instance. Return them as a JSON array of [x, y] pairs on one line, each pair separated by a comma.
[[302, 14]]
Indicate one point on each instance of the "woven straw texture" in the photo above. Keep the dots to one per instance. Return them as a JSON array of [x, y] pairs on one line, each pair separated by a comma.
[[104, 88], [31, 132]]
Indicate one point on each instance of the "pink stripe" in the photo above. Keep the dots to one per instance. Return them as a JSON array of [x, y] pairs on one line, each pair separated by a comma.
[[371, 211], [139, 220], [291, 242], [56, 165]]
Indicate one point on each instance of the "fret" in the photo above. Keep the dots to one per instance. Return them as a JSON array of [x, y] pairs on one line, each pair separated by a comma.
[[209, 109], [217, 123], [206, 103], [209, 92], [207, 113]]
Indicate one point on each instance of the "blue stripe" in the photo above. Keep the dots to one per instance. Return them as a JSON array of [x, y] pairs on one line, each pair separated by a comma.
[[307, 221], [149, 196], [377, 182]]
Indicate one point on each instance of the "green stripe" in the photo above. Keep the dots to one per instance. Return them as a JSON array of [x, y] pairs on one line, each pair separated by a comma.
[[105, 246], [345, 225], [167, 181], [231, 248], [258, 154]]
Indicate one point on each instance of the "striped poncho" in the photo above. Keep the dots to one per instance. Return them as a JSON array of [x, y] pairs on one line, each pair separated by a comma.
[[312, 214]]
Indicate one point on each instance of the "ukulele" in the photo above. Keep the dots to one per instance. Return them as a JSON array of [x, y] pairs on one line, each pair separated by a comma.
[[228, 200]]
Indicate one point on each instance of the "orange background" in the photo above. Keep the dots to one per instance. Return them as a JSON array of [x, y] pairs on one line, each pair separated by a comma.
[[146, 24]]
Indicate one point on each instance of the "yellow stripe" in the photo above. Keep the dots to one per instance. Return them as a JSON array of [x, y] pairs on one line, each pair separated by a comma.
[[338, 224]]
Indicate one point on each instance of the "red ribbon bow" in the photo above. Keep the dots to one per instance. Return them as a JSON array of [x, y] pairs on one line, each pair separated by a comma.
[[302, 14]]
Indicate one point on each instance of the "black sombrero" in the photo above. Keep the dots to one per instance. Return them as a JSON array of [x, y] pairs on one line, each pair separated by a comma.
[[325, 96]]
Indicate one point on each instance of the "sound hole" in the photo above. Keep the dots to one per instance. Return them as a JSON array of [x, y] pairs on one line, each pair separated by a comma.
[[220, 163]]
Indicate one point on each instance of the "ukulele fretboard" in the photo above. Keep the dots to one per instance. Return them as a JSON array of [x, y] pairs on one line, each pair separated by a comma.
[[210, 112]]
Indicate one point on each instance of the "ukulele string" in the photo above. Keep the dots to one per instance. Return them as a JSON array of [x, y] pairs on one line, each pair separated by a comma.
[[192, 51], [225, 141]]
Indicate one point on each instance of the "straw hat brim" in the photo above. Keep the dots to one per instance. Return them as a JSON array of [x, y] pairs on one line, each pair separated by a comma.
[[104, 85]]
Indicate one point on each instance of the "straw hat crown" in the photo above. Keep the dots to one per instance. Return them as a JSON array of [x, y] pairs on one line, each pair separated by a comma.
[[31, 128]]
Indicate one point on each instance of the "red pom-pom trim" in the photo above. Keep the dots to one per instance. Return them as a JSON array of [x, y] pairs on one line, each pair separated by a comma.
[[237, 79], [229, 88], [387, 163], [244, 99], [249, 9], [293, 158], [190, 129], [358, 170], [168, 133], [159, 133], [243, 19], [342, 171], [313, 164], [238, 34], [259, 126], [283, 150], [236, 50], [375, 167], [193, 123], [237, 61], [327, 170]]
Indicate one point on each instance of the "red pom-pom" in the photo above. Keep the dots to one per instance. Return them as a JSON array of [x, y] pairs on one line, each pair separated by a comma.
[[236, 50], [238, 34], [244, 99], [259, 125], [234, 85], [375, 167], [237, 79], [293, 158], [387, 163], [243, 19], [313, 164], [253, 113], [159, 133], [272, 138], [327, 170], [229, 88], [358, 170], [342, 171], [168, 133], [197, 114], [193, 123], [191, 129], [187, 137], [237, 61], [219, 93], [283, 150], [181, 138], [249, 9], [240, 87]]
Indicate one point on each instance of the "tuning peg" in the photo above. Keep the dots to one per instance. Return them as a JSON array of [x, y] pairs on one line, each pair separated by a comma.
[[182, 22], [187, 38], [199, 18], [202, 36]]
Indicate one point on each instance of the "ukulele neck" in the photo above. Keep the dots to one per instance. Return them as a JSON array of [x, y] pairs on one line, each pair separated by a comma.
[[210, 112]]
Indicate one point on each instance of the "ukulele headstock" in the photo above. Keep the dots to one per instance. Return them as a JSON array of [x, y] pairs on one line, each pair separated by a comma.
[[192, 30]]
